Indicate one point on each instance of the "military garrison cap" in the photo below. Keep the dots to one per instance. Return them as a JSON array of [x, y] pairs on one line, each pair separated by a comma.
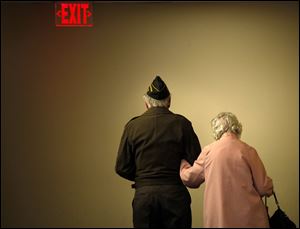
[[158, 89]]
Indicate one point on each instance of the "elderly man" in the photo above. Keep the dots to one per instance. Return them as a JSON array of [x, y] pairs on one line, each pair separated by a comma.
[[150, 153]]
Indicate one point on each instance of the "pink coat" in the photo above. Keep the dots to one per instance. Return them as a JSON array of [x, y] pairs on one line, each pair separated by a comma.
[[235, 180]]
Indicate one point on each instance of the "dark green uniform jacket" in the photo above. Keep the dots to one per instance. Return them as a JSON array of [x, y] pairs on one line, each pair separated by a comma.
[[153, 145]]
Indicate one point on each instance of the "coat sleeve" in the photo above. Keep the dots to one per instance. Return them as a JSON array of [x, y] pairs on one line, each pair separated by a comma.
[[193, 176], [262, 183], [191, 144], [125, 163]]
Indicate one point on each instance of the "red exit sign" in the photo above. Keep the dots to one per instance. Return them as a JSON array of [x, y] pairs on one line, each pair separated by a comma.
[[73, 14]]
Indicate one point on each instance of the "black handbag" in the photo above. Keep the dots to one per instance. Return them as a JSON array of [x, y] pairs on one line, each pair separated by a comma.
[[279, 219]]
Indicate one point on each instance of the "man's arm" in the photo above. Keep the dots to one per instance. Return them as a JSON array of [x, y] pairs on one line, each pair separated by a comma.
[[125, 163], [192, 147]]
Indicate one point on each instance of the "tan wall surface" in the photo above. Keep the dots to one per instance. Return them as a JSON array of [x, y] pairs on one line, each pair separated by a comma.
[[66, 94]]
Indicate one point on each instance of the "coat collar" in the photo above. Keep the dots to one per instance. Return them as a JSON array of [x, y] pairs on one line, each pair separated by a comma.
[[229, 135], [157, 110]]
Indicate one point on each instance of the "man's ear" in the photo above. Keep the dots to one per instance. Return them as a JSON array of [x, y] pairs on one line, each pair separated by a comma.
[[146, 106]]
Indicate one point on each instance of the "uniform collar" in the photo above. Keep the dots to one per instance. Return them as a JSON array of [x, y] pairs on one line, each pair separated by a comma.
[[157, 110]]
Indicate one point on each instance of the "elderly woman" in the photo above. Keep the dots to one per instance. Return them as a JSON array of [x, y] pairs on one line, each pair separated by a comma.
[[234, 175]]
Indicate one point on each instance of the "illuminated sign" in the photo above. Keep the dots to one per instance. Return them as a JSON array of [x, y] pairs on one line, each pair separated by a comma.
[[73, 14]]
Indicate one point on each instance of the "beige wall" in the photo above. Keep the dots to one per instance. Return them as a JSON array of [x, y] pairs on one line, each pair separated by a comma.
[[66, 94]]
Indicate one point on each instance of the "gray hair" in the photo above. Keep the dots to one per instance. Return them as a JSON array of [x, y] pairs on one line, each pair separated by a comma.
[[157, 103], [225, 122]]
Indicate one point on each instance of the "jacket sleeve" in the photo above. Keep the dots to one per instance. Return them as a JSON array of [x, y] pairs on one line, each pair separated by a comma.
[[193, 176], [262, 183], [191, 144], [125, 163]]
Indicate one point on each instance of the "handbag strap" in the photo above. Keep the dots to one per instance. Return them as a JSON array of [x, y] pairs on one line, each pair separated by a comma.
[[276, 201], [267, 208]]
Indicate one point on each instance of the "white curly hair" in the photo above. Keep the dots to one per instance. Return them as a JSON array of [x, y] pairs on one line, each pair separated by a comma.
[[225, 122]]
